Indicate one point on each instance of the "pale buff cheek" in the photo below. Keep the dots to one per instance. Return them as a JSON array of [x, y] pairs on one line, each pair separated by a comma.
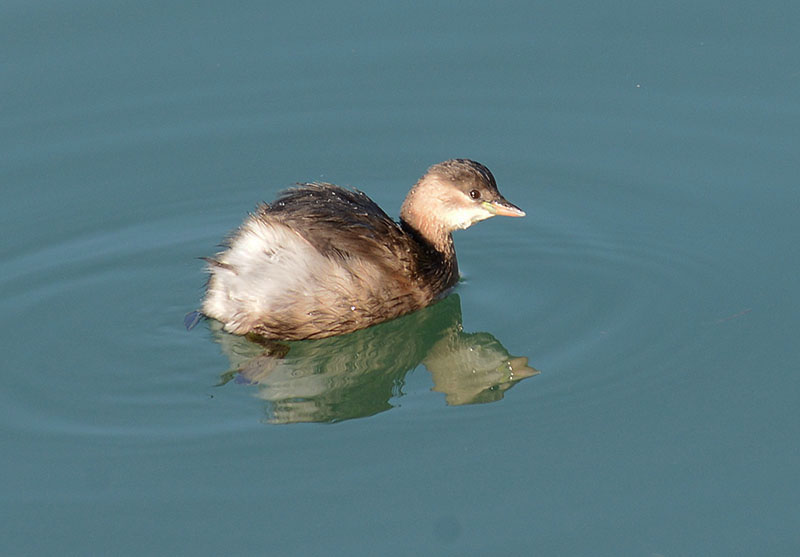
[[465, 217], [435, 210]]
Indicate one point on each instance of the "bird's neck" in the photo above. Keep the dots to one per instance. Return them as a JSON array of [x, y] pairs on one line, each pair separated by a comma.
[[419, 213], [436, 260]]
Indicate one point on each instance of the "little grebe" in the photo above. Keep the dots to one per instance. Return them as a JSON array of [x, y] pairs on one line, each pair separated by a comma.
[[323, 260]]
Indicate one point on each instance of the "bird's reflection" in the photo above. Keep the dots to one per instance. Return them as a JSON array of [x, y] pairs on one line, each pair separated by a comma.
[[357, 375]]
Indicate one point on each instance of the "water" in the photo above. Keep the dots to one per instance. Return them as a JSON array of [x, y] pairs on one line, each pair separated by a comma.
[[653, 285]]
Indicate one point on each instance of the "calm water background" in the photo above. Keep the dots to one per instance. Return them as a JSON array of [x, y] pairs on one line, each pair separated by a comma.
[[653, 283]]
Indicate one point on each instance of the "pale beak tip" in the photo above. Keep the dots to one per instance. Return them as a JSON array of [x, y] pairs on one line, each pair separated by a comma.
[[511, 211]]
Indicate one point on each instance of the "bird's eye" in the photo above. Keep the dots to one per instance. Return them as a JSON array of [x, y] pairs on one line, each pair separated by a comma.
[[475, 194]]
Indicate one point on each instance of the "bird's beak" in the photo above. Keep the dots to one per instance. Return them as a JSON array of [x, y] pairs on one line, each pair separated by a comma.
[[502, 207]]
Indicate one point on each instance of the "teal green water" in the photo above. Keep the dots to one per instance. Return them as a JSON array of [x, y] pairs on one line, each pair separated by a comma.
[[615, 375]]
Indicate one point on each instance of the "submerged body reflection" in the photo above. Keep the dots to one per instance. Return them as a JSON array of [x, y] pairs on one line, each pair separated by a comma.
[[357, 375]]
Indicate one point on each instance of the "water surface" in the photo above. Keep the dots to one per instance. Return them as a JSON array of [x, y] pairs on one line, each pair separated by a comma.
[[616, 373]]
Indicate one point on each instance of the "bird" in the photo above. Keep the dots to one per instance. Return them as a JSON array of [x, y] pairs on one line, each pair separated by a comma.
[[323, 260]]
